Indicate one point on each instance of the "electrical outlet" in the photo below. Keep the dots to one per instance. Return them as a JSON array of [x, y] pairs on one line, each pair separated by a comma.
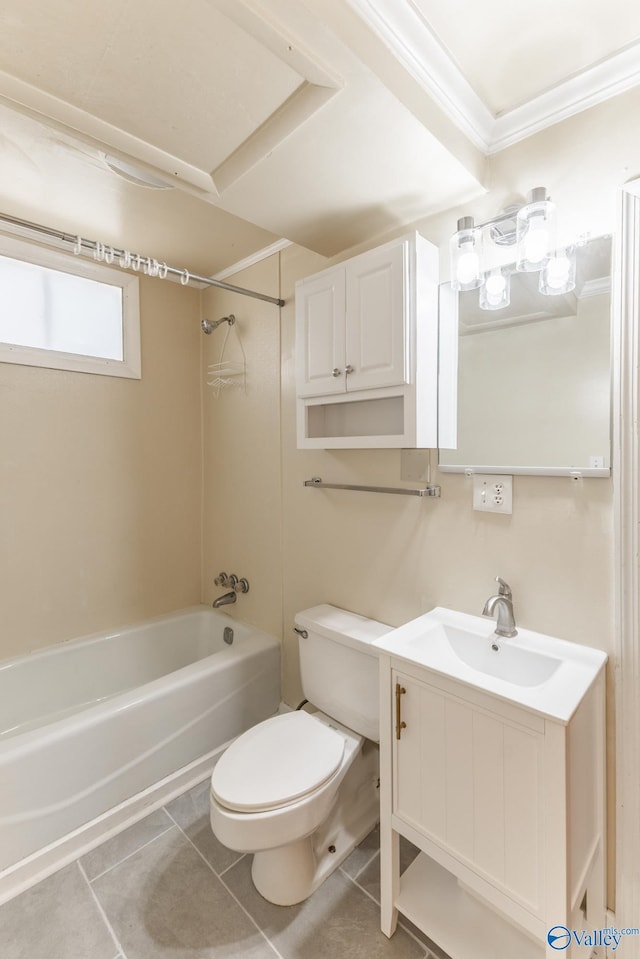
[[493, 494]]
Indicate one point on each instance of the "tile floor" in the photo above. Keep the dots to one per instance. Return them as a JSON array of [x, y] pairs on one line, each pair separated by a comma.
[[167, 888]]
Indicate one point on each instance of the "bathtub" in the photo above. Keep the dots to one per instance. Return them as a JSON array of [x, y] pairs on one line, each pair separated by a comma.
[[97, 731]]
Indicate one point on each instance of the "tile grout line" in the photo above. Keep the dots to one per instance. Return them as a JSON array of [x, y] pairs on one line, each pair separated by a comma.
[[427, 953], [130, 854], [227, 868], [361, 870], [232, 894], [121, 953]]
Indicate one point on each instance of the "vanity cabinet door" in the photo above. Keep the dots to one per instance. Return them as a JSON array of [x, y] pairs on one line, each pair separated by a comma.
[[470, 781], [320, 334], [377, 301]]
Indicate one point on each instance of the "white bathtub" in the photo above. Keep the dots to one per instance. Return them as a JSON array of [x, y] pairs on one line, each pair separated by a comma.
[[96, 731]]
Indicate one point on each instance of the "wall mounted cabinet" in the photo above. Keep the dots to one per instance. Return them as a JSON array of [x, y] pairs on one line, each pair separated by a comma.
[[367, 352]]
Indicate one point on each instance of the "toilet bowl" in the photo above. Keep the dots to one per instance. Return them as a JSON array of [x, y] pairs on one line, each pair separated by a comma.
[[300, 790], [297, 831]]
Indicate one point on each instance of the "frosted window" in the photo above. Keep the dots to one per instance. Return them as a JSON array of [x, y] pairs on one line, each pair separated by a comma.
[[57, 311], [67, 312]]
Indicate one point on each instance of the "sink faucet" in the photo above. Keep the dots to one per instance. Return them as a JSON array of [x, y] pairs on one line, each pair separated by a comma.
[[225, 599], [503, 603]]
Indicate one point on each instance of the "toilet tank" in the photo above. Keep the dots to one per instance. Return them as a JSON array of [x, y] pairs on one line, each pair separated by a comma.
[[339, 666]]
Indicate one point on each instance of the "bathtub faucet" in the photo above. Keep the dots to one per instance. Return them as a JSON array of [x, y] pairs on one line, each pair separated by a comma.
[[224, 600], [237, 586]]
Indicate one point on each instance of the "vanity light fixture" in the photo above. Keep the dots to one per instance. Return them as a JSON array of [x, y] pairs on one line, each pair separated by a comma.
[[558, 275], [495, 292], [532, 229], [535, 231], [466, 247]]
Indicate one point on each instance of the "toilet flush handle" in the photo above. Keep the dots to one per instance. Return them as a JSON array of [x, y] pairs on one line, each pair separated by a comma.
[[301, 632]]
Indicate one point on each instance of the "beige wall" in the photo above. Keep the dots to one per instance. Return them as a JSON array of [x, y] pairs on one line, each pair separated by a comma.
[[386, 557], [104, 481], [392, 558], [242, 504], [100, 485]]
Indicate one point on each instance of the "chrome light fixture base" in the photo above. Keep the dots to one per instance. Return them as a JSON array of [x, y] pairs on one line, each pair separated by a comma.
[[504, 231]]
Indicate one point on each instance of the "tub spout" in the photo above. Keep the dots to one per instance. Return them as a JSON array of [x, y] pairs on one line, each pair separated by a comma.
[[224, 600]]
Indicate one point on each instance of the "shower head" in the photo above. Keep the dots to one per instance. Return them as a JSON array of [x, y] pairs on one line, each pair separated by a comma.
[[209, 327]]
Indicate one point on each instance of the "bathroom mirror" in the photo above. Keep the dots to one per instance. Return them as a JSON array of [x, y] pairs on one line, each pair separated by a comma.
[[534, 377]]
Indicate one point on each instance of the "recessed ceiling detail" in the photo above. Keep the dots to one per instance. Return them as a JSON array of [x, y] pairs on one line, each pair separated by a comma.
[[256, 107], [500, 78], [192, 96], [328, 122]]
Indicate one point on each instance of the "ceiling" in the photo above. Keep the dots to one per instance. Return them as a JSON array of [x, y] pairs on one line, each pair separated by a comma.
[[327, 122]]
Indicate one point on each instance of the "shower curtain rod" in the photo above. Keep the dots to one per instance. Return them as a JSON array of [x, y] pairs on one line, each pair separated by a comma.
[[126, 260]]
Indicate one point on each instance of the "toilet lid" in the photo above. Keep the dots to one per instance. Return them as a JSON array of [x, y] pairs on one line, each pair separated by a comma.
[[276, 762]]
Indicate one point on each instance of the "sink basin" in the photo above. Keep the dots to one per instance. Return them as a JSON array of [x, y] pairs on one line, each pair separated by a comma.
[[494, 655], [542, 673]]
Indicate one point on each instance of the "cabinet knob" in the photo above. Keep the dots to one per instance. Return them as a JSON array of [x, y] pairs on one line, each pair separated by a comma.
[[336, 372], [349, 369]]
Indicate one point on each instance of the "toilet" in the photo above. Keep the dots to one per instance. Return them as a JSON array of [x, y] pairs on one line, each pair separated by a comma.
[[301, 790]]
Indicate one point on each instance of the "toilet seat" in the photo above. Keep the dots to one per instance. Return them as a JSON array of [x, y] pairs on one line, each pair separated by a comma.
[[277, 762]]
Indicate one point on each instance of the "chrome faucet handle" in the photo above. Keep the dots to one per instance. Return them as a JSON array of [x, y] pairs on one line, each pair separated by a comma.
[[504, 588], [232, 581], [221, 579], [242, 586]]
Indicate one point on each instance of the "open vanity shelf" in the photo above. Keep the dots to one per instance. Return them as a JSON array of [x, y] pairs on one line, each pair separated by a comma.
[[432, 899]]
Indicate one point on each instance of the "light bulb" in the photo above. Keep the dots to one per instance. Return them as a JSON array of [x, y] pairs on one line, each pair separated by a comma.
[[536, 241], [495, 292], [558, 275], [495, 284], [558, 271], [468, 267], [535, 231], [465, 249]]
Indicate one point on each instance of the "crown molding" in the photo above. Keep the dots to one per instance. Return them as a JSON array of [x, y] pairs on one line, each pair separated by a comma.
[[406, 33], [607, 79], [596, 287], [252, 259], [408, 36]]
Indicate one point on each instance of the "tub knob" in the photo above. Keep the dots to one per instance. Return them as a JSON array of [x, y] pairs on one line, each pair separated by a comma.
[[221, 579], [242, 586]]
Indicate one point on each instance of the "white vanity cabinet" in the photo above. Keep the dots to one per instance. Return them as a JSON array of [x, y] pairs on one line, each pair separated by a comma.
[[367, 351], [506, 805]]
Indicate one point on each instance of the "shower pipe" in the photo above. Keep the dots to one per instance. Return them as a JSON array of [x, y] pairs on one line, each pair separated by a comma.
[[126, 260]]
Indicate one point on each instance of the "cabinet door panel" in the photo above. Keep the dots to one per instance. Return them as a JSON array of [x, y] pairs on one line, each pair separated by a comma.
[[320, 334], [470, 781], [458, 773], [523, 799], [488, 807], [376, 320], [421, 755]]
